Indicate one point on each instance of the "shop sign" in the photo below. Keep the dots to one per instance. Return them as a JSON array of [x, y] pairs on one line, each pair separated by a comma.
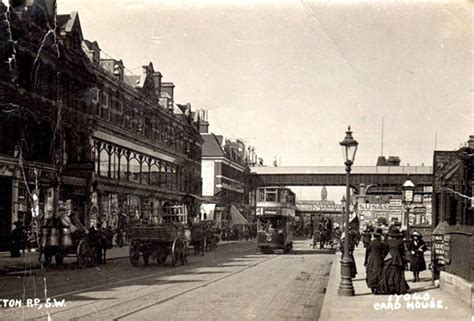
[[442, 248], [395, 202]]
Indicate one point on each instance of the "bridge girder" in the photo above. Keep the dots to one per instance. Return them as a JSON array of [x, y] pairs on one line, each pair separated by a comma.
[[385, 183]]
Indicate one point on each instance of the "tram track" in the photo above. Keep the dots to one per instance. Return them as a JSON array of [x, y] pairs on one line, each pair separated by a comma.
[[192, 289], [169, 272], [105, 282]]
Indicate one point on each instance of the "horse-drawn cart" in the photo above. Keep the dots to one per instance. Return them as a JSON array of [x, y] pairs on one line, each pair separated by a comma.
[[59, 243], [158, 242]]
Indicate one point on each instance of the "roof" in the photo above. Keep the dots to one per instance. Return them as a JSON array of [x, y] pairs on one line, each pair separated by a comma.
[[132, 80], [211, 146]]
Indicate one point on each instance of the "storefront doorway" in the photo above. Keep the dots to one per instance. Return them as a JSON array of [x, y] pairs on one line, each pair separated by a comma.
[[5, 212]]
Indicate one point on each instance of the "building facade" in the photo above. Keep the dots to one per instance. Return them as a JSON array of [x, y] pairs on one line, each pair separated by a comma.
[[453, 213], [225, 177], [77, 131]]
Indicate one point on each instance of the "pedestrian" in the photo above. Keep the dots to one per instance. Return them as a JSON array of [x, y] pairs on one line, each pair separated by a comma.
[[366, 236], [17, 239], [417, 247], [393, 275], [351, 251], [374, 261]]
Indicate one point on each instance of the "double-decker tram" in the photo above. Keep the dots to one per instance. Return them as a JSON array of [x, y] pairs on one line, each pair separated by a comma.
[[275, 219]]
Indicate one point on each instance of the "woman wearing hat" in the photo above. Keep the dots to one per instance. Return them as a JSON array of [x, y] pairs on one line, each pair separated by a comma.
[[417, 247], [393, 275], [374, 255]]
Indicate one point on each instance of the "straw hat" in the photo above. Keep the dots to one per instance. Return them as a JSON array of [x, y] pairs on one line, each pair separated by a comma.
[[416, 234]]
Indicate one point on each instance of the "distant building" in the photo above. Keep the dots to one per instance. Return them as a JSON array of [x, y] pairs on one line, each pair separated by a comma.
[[225, 175], [391, 161]]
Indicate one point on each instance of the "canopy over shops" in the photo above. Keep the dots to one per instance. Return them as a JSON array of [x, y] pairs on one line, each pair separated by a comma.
[[237, 217]]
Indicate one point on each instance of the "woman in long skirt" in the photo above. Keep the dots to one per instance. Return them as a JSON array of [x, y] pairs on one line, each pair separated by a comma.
[[374, 255], [417, 247], [393, 275]]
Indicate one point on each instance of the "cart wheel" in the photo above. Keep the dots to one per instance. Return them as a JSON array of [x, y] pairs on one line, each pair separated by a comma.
[[134, 255], [177, 252], [84, 254], [59, 259], [174, 254]]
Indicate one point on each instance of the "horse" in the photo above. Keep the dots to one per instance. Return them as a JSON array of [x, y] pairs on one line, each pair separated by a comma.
[[197, 239], [100, 241], [323, 233]]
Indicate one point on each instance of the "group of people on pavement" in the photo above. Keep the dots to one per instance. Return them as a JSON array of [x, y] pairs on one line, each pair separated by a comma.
[[387, 257]]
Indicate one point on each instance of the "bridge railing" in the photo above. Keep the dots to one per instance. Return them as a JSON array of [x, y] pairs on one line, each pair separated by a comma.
[[269, 170]]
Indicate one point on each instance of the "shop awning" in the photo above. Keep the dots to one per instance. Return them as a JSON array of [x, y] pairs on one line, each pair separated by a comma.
[[237, 217], [197, 197]]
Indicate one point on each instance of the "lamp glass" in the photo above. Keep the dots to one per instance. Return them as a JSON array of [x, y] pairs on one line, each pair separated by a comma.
[[408, 191], [349, 147]]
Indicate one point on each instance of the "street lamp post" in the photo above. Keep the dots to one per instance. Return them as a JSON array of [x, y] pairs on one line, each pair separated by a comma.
[[343, 204], [408, 189], [349, 148]]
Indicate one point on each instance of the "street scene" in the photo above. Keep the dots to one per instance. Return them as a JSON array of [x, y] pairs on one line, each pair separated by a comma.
[[181, 160]]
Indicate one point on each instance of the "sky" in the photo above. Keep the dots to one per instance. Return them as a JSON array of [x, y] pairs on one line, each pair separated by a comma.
[[288, 77]]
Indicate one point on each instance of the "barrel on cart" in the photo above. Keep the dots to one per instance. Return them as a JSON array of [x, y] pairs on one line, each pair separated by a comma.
[[157, 242], [59, 243]]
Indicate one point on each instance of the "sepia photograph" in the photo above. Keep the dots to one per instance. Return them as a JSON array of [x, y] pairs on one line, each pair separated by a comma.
[[237, 160]]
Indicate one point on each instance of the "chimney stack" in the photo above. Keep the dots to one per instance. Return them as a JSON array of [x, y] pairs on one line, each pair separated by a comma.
[[470, 142], [204, 124]]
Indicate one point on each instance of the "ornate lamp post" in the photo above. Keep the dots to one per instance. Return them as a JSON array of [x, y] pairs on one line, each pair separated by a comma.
[[343, 203], [408, 189], [349, 148]]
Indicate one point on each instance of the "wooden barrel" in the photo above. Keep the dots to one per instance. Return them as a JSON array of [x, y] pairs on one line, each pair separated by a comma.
[[53, 237], [66, 239]]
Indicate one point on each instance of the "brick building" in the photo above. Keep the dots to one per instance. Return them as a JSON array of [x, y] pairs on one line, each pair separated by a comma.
[[76, 129]]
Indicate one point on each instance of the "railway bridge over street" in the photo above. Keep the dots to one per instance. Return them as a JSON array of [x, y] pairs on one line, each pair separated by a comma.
[[370, 179]]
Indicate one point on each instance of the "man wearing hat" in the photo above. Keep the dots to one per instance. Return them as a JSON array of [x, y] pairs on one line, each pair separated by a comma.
[[393, 275], [417, 247], [17, 239], [374, 255]]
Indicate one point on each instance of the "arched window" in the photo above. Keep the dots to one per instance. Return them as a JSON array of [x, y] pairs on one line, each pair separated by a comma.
[[155, 173], [146, 170], [123, 158], [114, 163], [104, 161], [134, 168]]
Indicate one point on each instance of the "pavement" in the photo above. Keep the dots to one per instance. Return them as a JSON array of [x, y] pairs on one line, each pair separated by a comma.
[[425, 301], [30, 260]]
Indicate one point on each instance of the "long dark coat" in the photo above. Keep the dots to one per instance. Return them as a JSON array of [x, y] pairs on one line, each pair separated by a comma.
[[351, 253], [417, 258], [374, 255], [393, 275]]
